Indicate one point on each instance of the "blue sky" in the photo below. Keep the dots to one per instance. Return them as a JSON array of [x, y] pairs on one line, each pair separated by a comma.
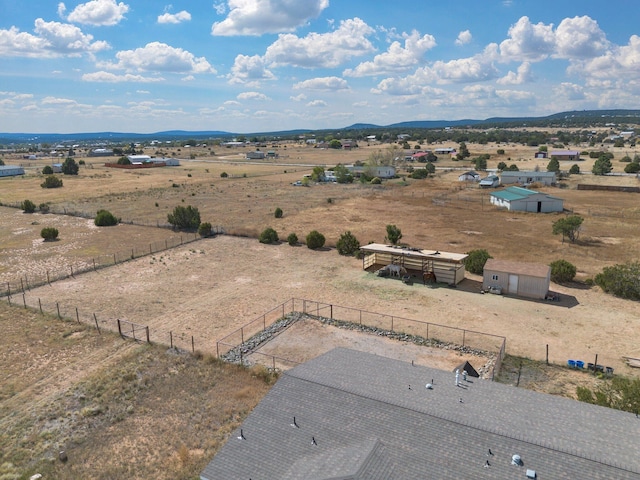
[[263, 65]]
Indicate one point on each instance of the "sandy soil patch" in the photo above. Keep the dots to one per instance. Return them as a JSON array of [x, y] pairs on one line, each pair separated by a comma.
[[212, 287]]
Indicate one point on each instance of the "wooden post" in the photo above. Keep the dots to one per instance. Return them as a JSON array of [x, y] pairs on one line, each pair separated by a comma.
[[264, 322], [193, 345], [114, 259], [58, 309], [148, 340], [97, 326], [331, 311], [94, 264], [150, 252], [132, 255], [171, 339], [427, 331], [9, 289], [24, 300], [48, 281], [71, 267], [77, 316], [392, 326], [595, 365], [242, 335], [21, 285], [547, 354], [120, 328], [40, 305], [133, 331], [217, 349], [9, 298]]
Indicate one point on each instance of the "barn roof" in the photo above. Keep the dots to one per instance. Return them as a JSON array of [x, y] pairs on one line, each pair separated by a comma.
[[414, 252], [519, 268], [356, 415], [518, 193]]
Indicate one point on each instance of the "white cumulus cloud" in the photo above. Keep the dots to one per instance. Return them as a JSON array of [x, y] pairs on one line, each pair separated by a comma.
[[464, 38], [174, 18], [108, 77], [97, 12], [51, 39], [322, 49], [252, 96], [528, 41], [317, 103], [323, 83], [523, 75], [397, 58], [256, 17], [249, 68], [160, 57], [580, 37]]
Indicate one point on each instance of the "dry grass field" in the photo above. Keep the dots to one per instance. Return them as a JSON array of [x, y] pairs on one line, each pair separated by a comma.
[[57, 373]]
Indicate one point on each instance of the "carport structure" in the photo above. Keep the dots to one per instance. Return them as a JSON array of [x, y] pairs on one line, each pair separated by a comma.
[[445, 267]]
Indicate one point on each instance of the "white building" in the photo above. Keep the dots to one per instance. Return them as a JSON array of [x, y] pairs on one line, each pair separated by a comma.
[[527, 178], [523, 200], [11, 170]]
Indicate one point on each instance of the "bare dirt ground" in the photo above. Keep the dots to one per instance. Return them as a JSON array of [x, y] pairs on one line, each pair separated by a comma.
[[210, 288]]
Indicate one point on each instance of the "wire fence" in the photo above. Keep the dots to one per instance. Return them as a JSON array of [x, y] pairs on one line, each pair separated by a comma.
[[239, 344], [27, 282]]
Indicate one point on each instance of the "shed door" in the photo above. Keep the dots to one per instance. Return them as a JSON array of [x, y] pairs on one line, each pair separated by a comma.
[[513, 284]]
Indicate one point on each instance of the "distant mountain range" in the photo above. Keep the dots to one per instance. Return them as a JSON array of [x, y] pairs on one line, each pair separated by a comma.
[[583, 118]]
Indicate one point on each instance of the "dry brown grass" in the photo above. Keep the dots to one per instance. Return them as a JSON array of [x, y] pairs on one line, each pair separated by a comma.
[[155, 414]]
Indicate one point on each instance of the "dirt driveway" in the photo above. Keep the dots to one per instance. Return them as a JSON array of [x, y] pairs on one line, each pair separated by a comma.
[[211, 287]]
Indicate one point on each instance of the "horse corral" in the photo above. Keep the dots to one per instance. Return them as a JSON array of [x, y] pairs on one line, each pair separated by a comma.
[[428, 265]]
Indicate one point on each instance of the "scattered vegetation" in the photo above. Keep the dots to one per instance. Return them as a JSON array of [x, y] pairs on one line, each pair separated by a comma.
[[204, 229], [569, 227], [315, 240], [562, 271], [622, 280], [184, 218], [394, 234], [105, 218], [51, 182], [575, 169], [43, 207], [348, 244], [278, 213], [292, 239], [621, 393], [28, 206], [70, 167], [268, 235], [474, 263], [49, 234], [124, 161], [47, 170]]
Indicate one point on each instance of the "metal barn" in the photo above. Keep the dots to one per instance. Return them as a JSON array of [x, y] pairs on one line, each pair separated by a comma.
[[10, 170], [523, 200], [517, 278], [424, 264]]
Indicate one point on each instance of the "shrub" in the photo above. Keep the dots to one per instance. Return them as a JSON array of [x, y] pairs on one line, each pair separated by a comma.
[[419, 173], [569, 227], [124, 161], [187, 218], [70, 167], [500, 151], [51, 182], [43, 207], [562, 271], [47, 170], [626, 159], [81, 162], [278, 213], [28, 206], [204, 230], [394, 234], [315, 240], [347, 244], [292, 239], [632, 167], [224, 175], [268, 235], [575, 169], [501, 166], [474, 263], [621, 393], [375, 181], [621, 280], [104, 218], [49, 233]]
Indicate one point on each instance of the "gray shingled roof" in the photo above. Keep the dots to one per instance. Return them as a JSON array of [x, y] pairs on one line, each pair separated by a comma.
[[368, 424]]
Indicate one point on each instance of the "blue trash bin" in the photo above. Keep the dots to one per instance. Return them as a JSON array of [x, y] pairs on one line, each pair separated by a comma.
[[579, 364], [571, 363]]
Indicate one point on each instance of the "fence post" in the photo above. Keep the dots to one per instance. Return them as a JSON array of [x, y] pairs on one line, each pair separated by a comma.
[[392, 323], [71, 267], [217, 349], [360, 312], [40, 305], [148, 340], [94, 264], [171, 338], [114, 259], [58, 309], [9, 298], [264, 322], [21, 285], [9, 288], [97, 326], [193, 345], [48, 278], [120, 328], [331, 311], [427, 331], [77, 316], [132, 255], [242, 335], [133, 331], [24, 300]]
